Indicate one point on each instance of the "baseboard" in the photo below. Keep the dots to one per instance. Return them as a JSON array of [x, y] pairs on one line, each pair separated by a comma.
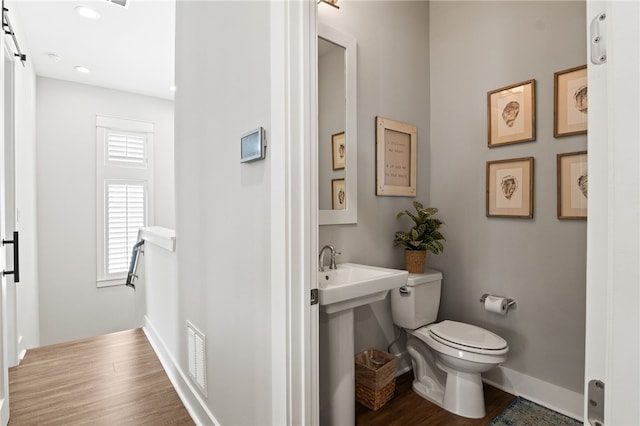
[[547, 394], [188, 394]]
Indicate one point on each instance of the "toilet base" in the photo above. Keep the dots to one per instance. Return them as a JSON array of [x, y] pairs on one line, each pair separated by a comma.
[[462, 395]]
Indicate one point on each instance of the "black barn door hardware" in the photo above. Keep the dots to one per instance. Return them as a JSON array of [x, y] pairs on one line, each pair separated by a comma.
[[16, 260]]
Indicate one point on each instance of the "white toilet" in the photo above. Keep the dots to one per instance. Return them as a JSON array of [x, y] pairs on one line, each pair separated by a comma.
[[448, 357]]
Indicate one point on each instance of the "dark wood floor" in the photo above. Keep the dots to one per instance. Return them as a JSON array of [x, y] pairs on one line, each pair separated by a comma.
[[408, 408], [114, 379]]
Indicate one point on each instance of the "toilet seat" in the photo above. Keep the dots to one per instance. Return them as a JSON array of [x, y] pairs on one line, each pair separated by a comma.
[[468, 338]]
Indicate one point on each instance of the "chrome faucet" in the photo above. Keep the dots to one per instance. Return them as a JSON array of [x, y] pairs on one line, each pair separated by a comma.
[[332, 265]]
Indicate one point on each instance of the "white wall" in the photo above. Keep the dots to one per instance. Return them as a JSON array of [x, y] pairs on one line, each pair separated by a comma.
[[393, 82], [477, 47], [222, 206], [71, 306]]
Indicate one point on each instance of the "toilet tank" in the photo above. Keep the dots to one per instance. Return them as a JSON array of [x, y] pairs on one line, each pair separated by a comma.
[[417, 303]]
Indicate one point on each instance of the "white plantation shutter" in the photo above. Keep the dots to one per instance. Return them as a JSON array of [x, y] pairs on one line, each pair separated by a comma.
[[125, 215], [128, 148], [125, 192]]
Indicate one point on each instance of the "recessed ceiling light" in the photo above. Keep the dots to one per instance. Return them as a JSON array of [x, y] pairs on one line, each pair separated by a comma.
[[87, 12], [82, 69]]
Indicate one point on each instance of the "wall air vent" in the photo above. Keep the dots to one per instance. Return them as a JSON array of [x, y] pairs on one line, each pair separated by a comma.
[[123, 3], [196, 352]]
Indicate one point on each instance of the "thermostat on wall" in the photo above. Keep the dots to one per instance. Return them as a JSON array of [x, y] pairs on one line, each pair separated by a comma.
[[253, 145]]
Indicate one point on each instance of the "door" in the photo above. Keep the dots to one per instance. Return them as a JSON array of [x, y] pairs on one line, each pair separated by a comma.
[[613, 247], [4, 372]]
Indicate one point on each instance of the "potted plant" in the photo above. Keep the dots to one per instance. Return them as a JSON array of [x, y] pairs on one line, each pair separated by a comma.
[[422, 237]]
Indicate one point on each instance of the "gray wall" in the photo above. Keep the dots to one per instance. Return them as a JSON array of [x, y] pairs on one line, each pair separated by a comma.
[[477, 47], [393, 82], [432, 66], [71, 306]]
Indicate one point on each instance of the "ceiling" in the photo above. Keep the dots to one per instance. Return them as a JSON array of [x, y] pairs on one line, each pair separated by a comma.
[[129, 49]]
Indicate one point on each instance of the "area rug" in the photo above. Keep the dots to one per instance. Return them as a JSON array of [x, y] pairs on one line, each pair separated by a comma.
[[523, 412]]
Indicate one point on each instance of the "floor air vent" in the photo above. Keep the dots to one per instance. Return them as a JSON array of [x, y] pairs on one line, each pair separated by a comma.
[[196, 352]]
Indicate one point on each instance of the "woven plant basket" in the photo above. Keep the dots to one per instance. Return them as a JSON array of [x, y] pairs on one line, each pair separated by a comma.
[[375, 378], [415, 260]]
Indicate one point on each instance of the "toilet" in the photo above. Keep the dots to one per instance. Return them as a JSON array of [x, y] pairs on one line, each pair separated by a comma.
[[447, 357]]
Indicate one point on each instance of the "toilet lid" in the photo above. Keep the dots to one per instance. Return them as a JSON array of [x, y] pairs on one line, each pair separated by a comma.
[[467, 336]]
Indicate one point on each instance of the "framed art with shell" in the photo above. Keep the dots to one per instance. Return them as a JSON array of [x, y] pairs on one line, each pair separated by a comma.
[[511, 114]]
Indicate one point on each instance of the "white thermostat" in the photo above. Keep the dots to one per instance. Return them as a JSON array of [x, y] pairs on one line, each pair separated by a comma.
[[253, 145]]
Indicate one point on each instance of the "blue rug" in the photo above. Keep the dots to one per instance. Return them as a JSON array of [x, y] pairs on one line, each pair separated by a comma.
[[523, 412]]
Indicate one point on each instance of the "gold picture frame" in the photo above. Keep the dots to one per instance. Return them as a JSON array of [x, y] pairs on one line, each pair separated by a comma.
[[572, 185], [511, 114], [396, 144], [570, 102], [338, 151], [510, 188], [338, 194]]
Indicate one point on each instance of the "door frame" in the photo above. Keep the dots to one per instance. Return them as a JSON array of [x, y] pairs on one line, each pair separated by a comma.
[[612, 347]]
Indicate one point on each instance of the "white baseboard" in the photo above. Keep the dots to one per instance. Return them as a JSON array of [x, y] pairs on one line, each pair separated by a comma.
[[188, 394], [556, 398], [547, 394]]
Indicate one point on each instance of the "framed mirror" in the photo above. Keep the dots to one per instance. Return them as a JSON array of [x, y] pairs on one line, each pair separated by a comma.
[[337, 128]]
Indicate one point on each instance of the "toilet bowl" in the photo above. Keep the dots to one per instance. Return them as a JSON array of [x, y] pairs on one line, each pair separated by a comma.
[[453, 380], [448, 357]]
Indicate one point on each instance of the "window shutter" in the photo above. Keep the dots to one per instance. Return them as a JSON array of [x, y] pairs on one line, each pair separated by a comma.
[[125, 215], [127, 148]]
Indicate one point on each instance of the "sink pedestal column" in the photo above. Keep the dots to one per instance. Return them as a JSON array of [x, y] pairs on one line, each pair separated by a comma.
[[337, 373]]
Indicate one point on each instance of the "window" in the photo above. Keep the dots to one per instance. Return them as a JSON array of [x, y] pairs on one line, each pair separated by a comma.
[[124, 193]]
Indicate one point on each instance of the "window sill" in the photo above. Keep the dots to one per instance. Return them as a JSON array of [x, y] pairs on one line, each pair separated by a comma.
[[111, 282]]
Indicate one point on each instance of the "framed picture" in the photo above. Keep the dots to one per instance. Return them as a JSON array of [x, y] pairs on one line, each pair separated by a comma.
[[338, 194], [570, 102], [510, 188], [396, 144], [572, 185], [511, 114], [339, 151]]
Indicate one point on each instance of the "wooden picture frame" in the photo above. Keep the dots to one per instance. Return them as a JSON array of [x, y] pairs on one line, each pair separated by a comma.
[[511, 114], [338, 194], [572, 185], [570, 102], [510, 188], [338, 151], [396, 144]]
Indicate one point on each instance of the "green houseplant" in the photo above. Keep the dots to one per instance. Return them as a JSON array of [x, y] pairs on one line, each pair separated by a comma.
[[424, 236]]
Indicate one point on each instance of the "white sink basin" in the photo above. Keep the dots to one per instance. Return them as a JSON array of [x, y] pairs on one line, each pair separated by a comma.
[[353, 285]]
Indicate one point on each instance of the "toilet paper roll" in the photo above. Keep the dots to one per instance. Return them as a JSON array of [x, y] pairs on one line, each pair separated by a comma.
[[496, 304]]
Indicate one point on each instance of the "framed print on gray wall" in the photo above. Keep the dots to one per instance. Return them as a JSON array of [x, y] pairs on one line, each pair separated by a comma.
[[511, 114], [338, 151], [510, 188], [338, 194], [572, 185], [396, 159], [570, 102]]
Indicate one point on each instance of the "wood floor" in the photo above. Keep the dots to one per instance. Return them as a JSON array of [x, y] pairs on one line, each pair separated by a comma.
[[407, 408], [107, 380]]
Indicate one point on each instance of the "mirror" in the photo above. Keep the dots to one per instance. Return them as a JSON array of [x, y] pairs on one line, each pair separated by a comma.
[[337, 128]]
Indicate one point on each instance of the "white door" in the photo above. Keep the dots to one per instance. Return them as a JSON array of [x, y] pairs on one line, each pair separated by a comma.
[[9, 204], [613, 229], [4, 372]]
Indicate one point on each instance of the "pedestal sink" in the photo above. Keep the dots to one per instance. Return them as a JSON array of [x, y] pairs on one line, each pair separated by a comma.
[[340, 290]]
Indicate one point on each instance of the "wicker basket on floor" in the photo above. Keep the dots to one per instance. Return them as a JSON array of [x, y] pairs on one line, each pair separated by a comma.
[[375, 378]]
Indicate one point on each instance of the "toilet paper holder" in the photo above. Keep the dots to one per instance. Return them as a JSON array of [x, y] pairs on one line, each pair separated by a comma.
[[510, 302]]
